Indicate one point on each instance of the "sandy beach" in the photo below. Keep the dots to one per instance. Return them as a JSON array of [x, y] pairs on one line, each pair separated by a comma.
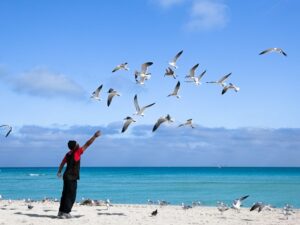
[[17, 212]]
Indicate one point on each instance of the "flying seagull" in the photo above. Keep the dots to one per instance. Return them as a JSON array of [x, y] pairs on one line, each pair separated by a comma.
[[128, 121], [230, 86], [154, 213], [189, 122], [112, 93], [8, 128], [192, 72], [221, 81], [140, 111], [176, 89], [196, 79], [123, 66], [237, 203], [96, 93], [142, 79], [173, 62], [162, 120], [144, 69], [144, 75], [170, 72], [278, 50]]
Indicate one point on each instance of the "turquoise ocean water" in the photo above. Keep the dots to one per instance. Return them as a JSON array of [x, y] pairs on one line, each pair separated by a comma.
[[276, 186]]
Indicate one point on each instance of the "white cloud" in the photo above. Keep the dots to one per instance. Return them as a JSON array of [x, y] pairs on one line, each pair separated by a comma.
[[168, 146], [207, 15], [44, 83]]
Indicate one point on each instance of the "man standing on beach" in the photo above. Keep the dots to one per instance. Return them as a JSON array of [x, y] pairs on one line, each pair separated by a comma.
[[71, 175]]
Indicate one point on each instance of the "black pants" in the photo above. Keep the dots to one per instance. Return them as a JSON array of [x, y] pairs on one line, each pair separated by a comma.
[[68, 196]]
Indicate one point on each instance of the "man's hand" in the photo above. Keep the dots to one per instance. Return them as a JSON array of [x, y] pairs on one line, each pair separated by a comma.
[[97, 134], [59, 174]]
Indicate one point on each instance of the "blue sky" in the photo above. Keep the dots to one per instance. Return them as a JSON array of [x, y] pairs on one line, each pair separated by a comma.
[[53, 54]]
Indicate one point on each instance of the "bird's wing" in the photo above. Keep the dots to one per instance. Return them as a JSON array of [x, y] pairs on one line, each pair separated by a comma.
[[126, 125], [147, 106], [177, 88], [97, 91], [192, 71], [116, 68], [266, 51], [224, 90], [145, 66], [137, 107], [224, 78], [9, 131], [158, 123], [109, 98], [202, 74], [243, 198], [283, 53], [177, 56]]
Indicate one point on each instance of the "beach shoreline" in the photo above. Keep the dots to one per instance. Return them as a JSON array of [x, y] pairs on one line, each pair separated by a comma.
[[17, 212]]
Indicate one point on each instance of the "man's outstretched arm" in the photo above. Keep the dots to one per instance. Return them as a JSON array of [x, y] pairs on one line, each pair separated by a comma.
[[91, 140]]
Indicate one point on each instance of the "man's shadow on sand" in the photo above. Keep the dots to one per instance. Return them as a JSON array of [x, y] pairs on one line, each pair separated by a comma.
[[43, 216]]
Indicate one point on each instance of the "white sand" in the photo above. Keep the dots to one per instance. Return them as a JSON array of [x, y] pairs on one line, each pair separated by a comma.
[[17, 212]]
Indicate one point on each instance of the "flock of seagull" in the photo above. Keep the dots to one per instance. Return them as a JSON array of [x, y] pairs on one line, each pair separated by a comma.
[[144, 75], [287, 210]]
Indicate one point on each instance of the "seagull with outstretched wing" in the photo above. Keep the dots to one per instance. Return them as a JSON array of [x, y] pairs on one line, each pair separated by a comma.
[[176, 89], [96, 93], [140, 111], [189, 122], [173, 62], [162, 120], [278, 50], [111, 93], [128, 121], [123, 66], [221, 81], [230, 86], [192, 72]]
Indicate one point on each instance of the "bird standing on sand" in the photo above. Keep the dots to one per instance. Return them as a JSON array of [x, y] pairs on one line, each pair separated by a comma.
[[278, 50], [96, 93], [160, 121], [140, 111], [260, 206], [221, 81], [128, 121], [222, 207], [112, 93], [30, 206], [173, 62], [185, 206], [176, 89], [154, 213], [230, 86], [123, 66], [8, 129]]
